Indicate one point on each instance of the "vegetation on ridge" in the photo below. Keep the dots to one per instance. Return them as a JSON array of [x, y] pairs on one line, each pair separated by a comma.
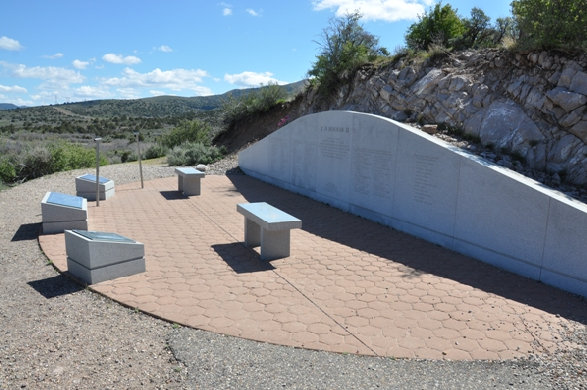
[[43, 140]]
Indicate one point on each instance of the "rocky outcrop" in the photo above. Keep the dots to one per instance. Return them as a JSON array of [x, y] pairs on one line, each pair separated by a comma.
[[532, 105]]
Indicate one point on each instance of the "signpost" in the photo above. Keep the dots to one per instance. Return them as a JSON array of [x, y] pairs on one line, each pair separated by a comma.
[[97, 139], [136, 133]]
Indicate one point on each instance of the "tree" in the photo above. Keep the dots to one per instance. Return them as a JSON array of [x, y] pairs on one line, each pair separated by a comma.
[[476, 28], [551, 24], [504, 27], [440, 25], [345, 46]]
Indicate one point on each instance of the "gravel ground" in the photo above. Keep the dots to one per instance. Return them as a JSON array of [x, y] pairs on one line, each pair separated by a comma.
[[55, 334]]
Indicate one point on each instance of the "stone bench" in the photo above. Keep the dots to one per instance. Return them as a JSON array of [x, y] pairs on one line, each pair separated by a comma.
[[98, 256], [188, 180], [63, 211], [85, 186], [269, 227]]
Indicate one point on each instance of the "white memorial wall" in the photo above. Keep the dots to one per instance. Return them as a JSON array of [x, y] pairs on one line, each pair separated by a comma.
[[402, 177]]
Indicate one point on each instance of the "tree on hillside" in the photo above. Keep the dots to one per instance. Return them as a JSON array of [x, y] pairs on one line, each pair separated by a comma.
[[440, 25], [504, 28], [551, 24], [477, 30], [345, 46]]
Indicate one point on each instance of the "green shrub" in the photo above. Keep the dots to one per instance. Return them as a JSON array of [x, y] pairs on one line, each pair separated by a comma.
[[188, 131], [551, 24], [35, 163], [254, 102], [439, 25], [66, 156], [128, 156], [61, 156], [156, 151], [7, 170], [193, 153], [345, 47]]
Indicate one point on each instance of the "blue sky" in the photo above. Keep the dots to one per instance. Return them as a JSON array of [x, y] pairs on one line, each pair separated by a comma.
[[74, 50]]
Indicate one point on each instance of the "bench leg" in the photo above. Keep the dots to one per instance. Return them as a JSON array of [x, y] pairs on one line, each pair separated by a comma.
[[180, 183], [191, 186], [274, 244], [252, 233]]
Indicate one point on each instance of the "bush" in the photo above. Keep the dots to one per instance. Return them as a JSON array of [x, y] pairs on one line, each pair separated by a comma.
[[61, 156], [155, 151], [66, 156], [345, 47], [254, 102], [7, 171], [439, 25], [193, 153], [188, 131], [128, 156], [551, 24]]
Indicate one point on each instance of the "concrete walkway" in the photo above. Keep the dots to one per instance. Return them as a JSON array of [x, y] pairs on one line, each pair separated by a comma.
[[350, 285]]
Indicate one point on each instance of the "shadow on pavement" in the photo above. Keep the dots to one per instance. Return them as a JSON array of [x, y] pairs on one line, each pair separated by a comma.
[[420, 256], [241, 258]]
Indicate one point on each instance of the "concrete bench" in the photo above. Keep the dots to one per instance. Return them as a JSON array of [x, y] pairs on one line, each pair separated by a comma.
[[85, 186], [269, 227], [188, 180]]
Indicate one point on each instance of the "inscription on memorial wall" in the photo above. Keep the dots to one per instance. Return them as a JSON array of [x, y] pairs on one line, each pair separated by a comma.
[[424, 180], [372, 172], [332, 146]]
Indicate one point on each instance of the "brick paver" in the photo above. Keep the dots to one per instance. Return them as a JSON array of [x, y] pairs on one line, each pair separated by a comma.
[[350, 285]]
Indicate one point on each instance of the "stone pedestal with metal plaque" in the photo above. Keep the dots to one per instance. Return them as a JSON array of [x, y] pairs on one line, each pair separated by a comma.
[[63, 211], [98, 256], [85, 186]]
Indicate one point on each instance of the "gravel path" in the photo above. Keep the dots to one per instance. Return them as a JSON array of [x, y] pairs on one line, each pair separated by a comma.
[[55, 334]]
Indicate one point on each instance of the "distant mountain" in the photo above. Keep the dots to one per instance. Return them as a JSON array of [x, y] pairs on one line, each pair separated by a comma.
[[8, 106], [161, 106]]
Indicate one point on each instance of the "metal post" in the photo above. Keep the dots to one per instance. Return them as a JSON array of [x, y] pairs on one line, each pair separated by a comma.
[[97, 139], [140, 163]]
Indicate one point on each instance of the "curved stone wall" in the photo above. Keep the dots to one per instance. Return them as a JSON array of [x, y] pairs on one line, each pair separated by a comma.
[[402, 177]]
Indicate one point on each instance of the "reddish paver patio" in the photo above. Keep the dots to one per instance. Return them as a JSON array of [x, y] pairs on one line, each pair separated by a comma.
[[350, 285]]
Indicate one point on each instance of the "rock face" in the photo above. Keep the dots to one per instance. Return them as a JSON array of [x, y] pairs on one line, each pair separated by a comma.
[[533, 105]]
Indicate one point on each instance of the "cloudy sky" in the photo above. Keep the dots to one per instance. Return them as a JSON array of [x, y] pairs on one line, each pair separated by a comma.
[[74, 50]]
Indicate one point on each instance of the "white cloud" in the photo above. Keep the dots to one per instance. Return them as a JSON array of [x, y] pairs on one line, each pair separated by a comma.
[[89, 92], [252, 12], [387, 10], [50, 74], [251, 79], [226, 9], [165, 49], [174, 79], [53, 56], [79, 64], [119, 59], [9, 44], [12, 89]]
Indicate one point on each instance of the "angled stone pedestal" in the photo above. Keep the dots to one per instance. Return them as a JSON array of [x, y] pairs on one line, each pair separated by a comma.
[[85, 186], [62, 211], [98, 256]]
